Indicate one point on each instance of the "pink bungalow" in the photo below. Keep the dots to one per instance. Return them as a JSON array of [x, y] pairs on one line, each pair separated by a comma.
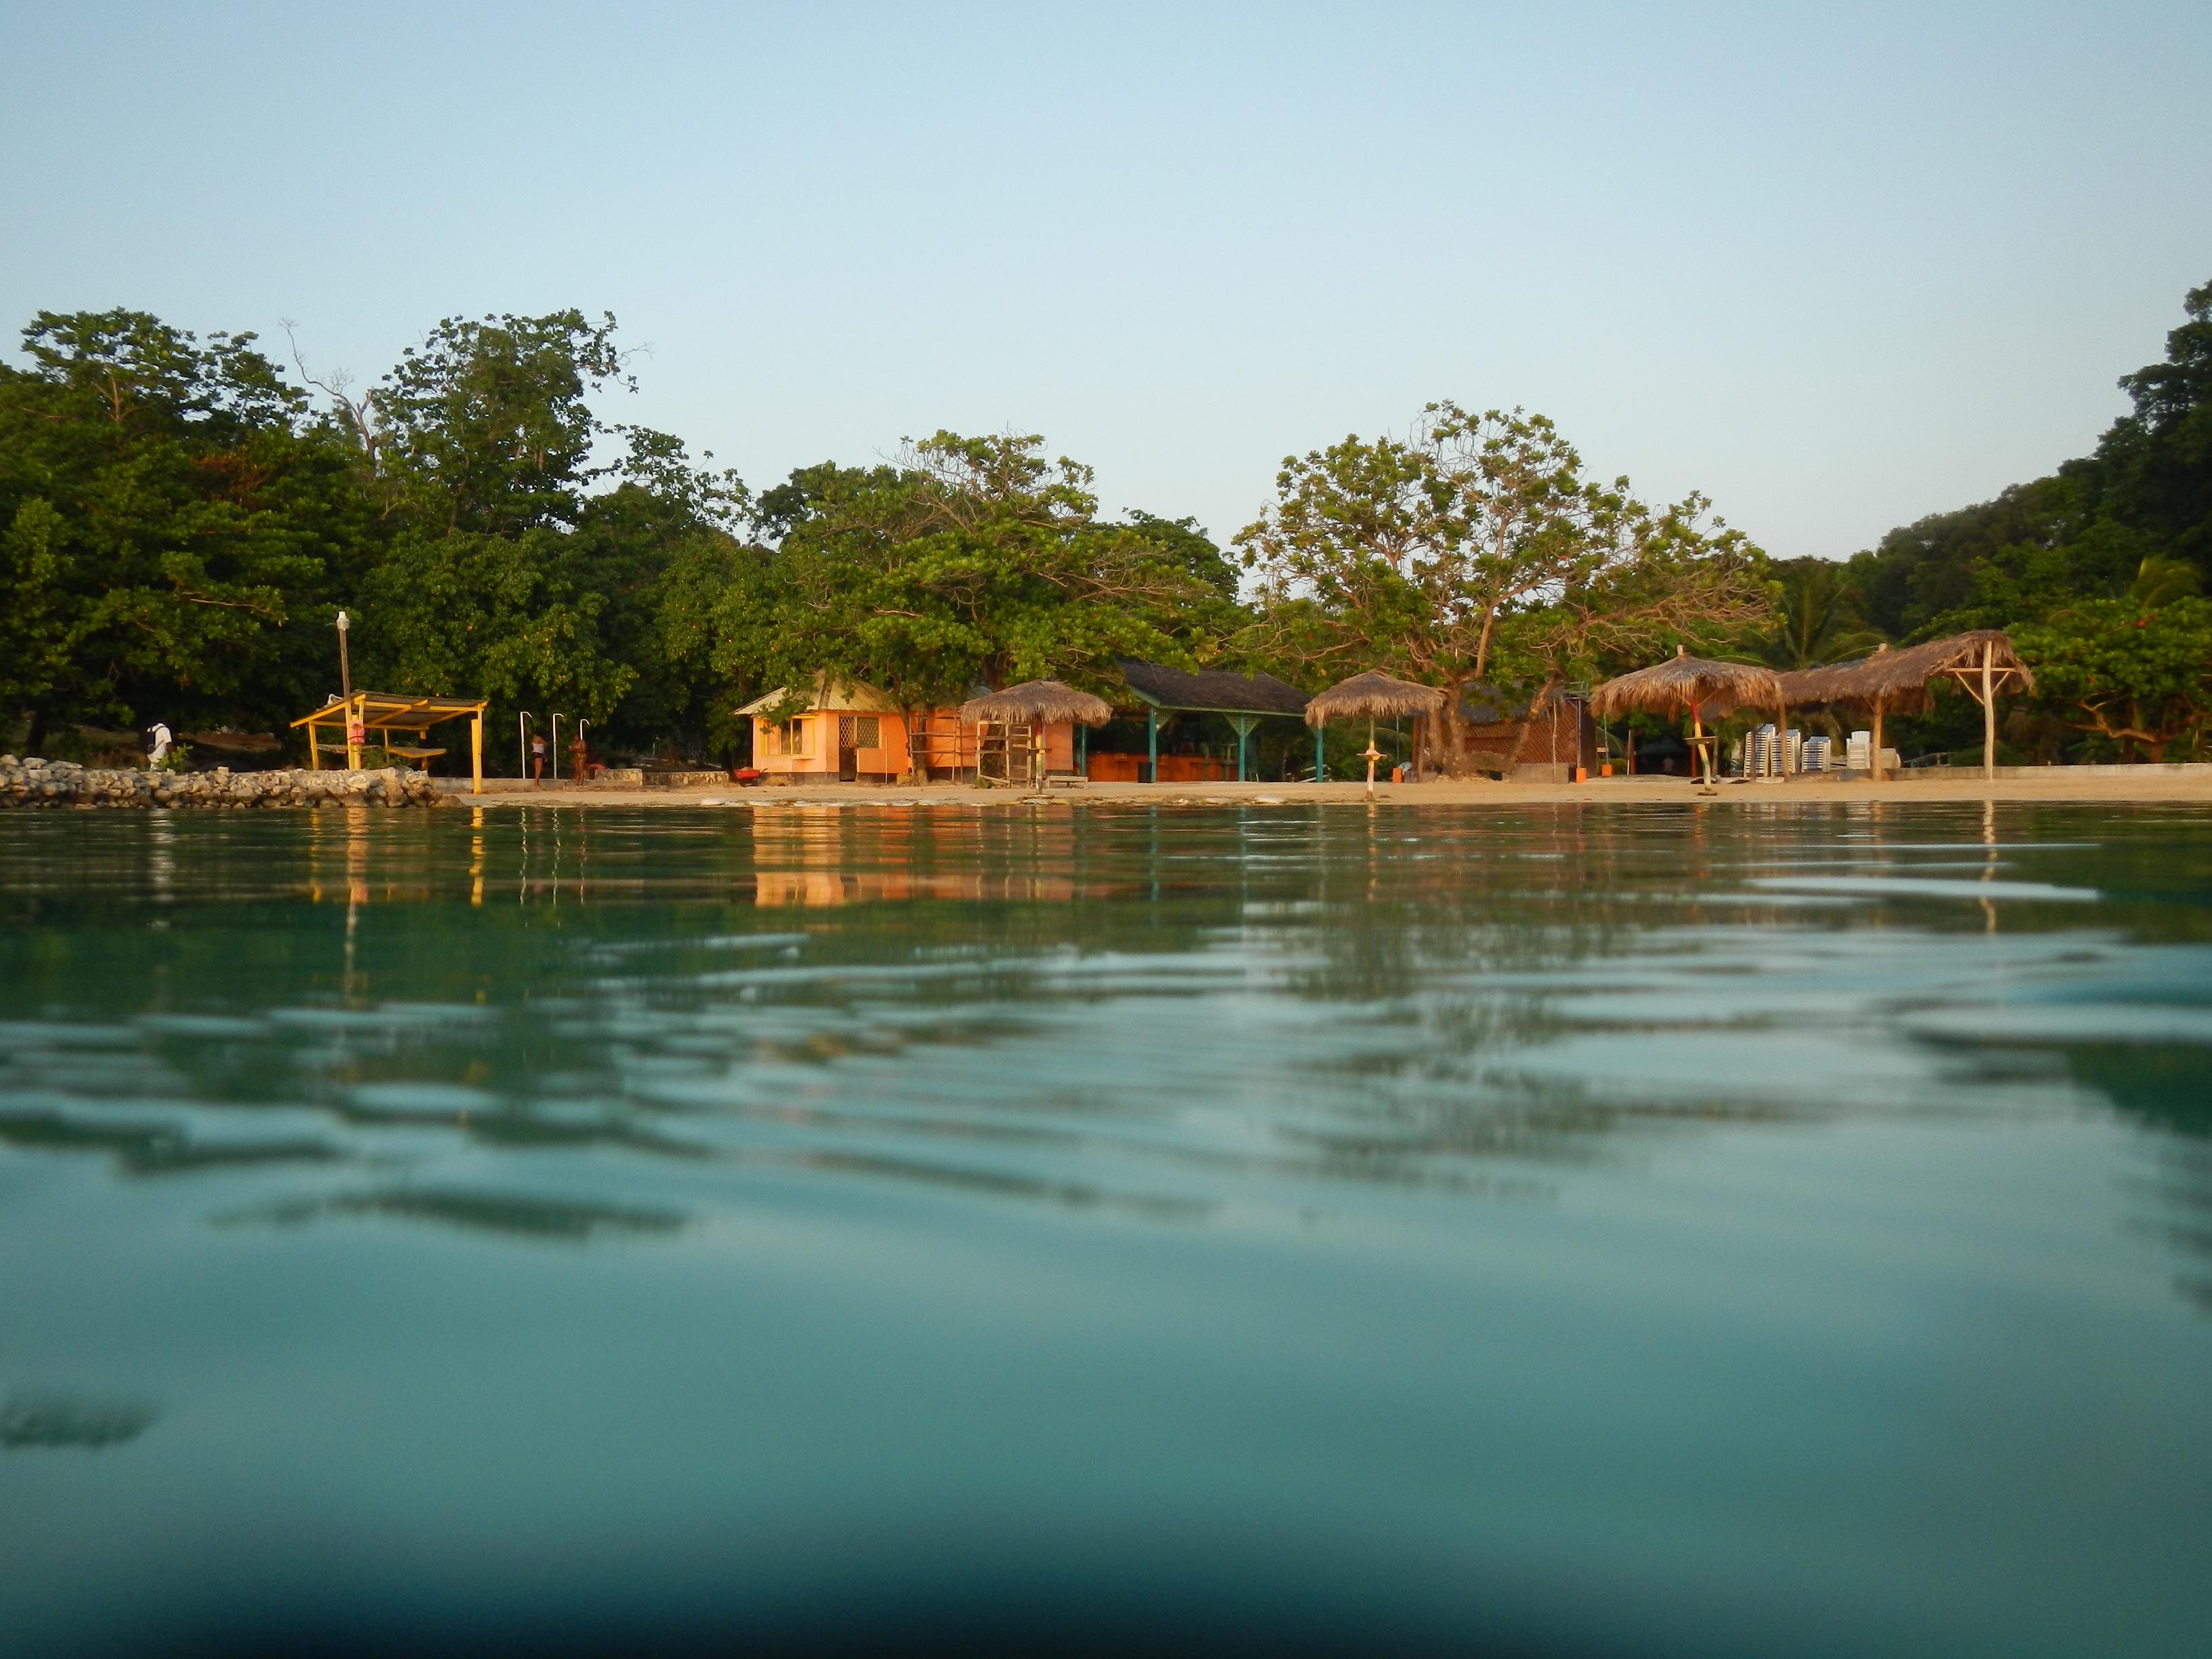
[[853, 733]]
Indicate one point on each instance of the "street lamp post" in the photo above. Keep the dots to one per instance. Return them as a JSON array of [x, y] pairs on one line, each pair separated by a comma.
[[353, 732]]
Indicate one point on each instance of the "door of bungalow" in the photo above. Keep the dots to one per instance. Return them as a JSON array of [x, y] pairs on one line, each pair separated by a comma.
[[848, 766]]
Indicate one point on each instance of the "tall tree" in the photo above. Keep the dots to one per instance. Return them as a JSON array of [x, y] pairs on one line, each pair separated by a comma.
[[166, 505], [1817, 616], [488, 426], [2136, 677], [973, 559], [1475, 552]]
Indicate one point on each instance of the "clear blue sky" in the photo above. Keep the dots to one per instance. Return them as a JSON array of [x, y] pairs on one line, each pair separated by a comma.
[[1838, 267]]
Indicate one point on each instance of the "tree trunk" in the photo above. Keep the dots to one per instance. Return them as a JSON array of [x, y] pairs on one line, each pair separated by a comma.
[[1450, 731], [1541, 707]]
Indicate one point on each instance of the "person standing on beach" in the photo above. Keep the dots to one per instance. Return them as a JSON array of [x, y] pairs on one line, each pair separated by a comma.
[[537, 759]]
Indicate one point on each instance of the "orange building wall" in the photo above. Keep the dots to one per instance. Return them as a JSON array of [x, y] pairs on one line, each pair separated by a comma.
[[946, 745]]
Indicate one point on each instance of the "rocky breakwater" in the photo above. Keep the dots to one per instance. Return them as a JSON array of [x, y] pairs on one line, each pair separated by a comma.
[[64, 783]]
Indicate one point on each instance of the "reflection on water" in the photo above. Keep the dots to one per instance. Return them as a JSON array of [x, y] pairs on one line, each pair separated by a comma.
[[1791, 1224]]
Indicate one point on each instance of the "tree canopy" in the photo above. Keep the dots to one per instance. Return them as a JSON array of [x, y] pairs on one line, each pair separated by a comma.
[[1476, 552], [181, 518], [2094, 548]]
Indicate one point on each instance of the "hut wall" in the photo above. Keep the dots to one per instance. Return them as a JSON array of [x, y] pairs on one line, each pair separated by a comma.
[[1560, 736], [945, 746], [815, 754]]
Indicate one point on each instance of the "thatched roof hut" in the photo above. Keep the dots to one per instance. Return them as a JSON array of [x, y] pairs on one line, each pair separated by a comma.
[[1374, 695], [1041, 703], [1889, 682], [1686, 683], [1898, 681], [1691, 685]]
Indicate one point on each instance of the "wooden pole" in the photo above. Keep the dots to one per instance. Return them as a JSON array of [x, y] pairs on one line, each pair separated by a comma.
[[1989, 712], [475, 753], [314, 749], [1698, 764], [1874, 754]]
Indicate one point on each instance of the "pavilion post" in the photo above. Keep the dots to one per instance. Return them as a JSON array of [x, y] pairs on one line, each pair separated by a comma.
[[1152, 742], [475, 753], [1243, 723], [1874, 754], [1698, 766], [1989, 711], [1083, 752], [314, 749], [356, 713], [1320, 755]]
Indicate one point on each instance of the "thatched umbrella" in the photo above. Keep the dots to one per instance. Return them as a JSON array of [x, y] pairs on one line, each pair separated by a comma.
[[1691, 684], [1378, 697], [1036, 704], [1041, 703], [1896, 683]]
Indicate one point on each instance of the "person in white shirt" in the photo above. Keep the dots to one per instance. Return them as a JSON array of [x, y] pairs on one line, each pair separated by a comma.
[[158, 740]]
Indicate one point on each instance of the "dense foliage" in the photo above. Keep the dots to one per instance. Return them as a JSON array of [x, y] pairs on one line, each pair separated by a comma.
[[2087, 567], [182, 523], [1476, 553], [181, 520]]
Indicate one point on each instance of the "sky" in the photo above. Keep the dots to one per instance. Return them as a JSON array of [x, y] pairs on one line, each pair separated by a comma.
[[1836, 267]]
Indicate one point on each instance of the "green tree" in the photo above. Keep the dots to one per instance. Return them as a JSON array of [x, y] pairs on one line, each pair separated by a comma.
[[2131, 676], [520, 568], [1477, 552], [488, 426], [2084, 532], [169, 505], [972, 560], [1817, 616]]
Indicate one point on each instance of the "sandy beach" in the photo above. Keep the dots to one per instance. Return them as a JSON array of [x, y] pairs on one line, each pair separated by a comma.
[[2066, 784]]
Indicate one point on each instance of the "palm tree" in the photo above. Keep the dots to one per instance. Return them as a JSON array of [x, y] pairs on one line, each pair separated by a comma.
[[2159, 579], [1819, 620]]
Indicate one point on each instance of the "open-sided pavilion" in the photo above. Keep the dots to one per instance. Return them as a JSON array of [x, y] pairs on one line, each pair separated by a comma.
[[349, 720], [1243, 700]]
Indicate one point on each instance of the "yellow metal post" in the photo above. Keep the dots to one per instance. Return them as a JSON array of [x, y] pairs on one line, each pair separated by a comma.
[[356, 711], [314, 749], [475, 753]]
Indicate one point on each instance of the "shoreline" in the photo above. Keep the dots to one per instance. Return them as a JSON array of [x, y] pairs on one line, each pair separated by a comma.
[[2181, 788]]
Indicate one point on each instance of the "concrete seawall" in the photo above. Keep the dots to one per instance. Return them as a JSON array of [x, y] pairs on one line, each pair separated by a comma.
[[64, 783]]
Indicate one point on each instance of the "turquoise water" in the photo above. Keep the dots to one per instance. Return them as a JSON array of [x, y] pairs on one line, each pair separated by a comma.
[[1618, 1230]]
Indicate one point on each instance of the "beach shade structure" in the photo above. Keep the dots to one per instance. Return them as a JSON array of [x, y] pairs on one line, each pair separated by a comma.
[[1243, 699], [1030, 707], [1376, 696], [1688, 684], [1890, 682], [348, 721]]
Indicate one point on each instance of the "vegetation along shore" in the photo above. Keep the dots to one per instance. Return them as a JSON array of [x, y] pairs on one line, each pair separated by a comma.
[[182, 521]]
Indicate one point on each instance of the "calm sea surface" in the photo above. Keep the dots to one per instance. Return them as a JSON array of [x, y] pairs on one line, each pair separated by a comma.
[[1628, 1229]]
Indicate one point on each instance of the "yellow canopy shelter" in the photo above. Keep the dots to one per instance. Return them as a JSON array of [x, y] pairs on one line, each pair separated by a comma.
[[351, 720]]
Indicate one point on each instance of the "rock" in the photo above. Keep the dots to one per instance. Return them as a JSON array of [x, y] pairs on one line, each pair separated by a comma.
[[31, 782]]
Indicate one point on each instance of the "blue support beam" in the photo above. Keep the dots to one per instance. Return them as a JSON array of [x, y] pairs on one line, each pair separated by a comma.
[[1151, 744], [1243, 723], [1321, 756]]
